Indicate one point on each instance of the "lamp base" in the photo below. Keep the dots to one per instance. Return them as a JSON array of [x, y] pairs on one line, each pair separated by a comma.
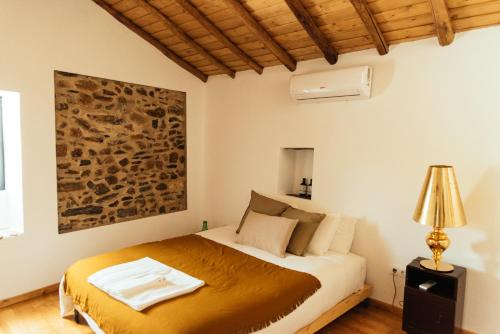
[[431, 265]]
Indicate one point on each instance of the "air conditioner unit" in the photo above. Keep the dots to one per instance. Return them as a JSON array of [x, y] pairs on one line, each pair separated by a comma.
[[337, 85]]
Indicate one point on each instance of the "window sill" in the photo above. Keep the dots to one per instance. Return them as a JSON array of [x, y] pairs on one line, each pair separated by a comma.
[[9, 233]]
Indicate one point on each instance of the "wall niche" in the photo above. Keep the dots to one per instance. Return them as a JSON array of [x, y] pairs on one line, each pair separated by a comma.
[[296, 172]]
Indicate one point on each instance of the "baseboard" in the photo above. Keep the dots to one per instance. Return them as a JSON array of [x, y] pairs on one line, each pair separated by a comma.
[[386, 307], [29, 295], [399, 311]]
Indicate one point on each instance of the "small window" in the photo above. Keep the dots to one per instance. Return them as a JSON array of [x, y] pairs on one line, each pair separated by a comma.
[[2, 165], [11, 178]]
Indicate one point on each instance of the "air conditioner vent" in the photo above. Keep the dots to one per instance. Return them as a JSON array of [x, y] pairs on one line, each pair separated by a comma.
[[337, 85]]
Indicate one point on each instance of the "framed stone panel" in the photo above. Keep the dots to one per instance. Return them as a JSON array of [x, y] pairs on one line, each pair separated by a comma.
[[121, 151]]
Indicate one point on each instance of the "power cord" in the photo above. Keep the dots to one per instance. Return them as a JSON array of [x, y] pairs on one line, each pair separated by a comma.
[[394, 271]]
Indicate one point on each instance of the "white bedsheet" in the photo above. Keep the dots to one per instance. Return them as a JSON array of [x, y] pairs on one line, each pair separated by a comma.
[[340, 275]]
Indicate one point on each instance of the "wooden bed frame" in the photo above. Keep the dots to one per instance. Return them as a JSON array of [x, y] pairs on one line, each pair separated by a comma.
[[323, 320], [339, 309]]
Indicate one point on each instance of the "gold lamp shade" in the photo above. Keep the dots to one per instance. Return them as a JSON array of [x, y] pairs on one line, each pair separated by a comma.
[[439, 206]]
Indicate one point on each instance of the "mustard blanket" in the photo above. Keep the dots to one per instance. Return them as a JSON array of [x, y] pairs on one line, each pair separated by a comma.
[[242, 293]]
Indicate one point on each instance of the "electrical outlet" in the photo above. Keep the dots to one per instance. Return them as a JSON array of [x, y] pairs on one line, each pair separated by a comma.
[[398, 272]]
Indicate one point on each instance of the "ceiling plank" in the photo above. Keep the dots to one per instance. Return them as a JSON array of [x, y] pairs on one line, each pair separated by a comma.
[[156, 43], [442, 22], [307, 21], [217, 33], [371, 25], [185, 38], [251, 23]]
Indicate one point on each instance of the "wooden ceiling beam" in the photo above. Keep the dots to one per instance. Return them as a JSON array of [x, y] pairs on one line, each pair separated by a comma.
[[218, 34], [262, 35], [307, 21], [153, 41], [371, 25], [179, 33], [442, 22]]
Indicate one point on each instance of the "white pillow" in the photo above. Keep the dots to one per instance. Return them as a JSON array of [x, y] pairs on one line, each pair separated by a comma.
[[344, 234], [269, 233], [322, 238]]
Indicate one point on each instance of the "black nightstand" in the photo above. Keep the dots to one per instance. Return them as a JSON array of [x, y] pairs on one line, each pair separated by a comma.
[[438, 310]]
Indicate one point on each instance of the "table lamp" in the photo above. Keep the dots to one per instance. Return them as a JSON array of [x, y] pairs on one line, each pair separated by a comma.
[[439, 206]]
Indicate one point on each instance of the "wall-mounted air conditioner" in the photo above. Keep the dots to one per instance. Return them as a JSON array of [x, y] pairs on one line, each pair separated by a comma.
[[337, 85]]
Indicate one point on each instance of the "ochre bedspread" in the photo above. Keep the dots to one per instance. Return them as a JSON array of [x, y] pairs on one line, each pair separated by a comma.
[[242, 293]]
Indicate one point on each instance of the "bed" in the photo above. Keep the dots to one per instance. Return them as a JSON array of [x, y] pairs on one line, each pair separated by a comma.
[[342, 278]]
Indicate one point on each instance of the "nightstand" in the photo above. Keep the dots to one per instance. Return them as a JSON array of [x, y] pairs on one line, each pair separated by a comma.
[[437, 310]]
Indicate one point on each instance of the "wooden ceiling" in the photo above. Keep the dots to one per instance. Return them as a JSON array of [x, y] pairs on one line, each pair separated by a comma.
[[210, 37]]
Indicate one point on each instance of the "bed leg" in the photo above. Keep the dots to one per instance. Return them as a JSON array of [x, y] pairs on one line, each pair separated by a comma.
[[77, 317]]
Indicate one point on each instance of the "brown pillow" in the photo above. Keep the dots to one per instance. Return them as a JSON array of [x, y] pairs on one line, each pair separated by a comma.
[[304, 231], [264, 205]]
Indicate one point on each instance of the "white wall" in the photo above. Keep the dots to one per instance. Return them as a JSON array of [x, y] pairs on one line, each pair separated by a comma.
[[77, 36], [430, 105]]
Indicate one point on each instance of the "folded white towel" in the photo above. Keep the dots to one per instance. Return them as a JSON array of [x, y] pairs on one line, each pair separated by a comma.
[[144, 282], [136, 285]]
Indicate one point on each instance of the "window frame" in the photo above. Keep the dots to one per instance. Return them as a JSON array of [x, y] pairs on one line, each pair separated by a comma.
[[2, 151]]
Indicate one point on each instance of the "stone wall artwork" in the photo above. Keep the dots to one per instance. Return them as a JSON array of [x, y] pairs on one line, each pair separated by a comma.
[[121, 151]]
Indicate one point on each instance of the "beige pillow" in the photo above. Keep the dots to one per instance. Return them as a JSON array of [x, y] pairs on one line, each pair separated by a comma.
[[323, 236], [264, 205], [304, 231], [344, 234], [269, 233]]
